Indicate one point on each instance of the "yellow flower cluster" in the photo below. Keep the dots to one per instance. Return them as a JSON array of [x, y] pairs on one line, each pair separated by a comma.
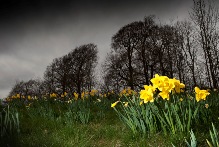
[[106, 94], [16, 96], [103, 95], [93, 92], [200, 94], [19, 96], [127, 92], [75, 96], [85, 94], [115, 103], [64, 94], [164, 84], [53, 95]]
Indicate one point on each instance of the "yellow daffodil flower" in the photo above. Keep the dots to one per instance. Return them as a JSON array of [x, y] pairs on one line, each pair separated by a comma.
[[200, 94], [147, 94], [114, 104]]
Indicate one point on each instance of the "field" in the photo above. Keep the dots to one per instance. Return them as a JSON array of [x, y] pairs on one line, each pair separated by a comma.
[[126, 119]]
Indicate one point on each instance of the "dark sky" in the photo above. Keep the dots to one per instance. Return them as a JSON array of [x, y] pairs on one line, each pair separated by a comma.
[[34, 32]]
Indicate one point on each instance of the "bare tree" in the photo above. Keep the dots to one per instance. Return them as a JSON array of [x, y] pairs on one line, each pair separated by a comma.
[[147, 33], [124, 43], [72, 72], [114, 75], [56, 76], [190, 50], [205, 17], [141, 49], [83, 61], [31, 87], [49, 78]]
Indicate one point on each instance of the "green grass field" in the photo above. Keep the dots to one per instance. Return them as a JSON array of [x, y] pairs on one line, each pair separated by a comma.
[[92, 122], [107, 131]]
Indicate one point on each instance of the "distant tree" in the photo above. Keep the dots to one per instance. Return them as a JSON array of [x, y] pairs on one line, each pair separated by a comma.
[[29, 88], [146, 59], [205, 17], [190, 51], [167, 51], [82, 63], [114, 74], [73, 72], [56, 76], [17, 88], [49, 79], [141, 49], [124, 43]]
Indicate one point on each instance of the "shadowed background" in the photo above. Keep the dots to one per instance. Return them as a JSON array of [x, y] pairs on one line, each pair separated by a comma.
[[33, 33]]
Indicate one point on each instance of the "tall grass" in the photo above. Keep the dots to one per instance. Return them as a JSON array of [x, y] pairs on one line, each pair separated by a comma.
[[9, 125]]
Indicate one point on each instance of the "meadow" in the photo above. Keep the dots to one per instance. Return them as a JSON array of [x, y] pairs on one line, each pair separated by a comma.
[[161, 114]]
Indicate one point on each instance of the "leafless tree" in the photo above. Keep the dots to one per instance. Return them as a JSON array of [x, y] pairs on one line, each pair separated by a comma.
[[83, 61], [124, 43], [205, 17], [31, 87]]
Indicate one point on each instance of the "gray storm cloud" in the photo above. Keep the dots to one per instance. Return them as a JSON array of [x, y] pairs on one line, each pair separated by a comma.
[[33, 34]]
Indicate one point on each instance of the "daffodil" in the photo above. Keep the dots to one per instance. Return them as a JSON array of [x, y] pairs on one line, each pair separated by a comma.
[[123, 92], [156, 81], [53, 95], [165, 95], [167, 85], [114, 104], [93, 92], [75, 96], [29, 97], [178, 86], [200, 94], [206, 106], [18, 95], [147, 94], [64, 94], [163, 83], [82, 95]]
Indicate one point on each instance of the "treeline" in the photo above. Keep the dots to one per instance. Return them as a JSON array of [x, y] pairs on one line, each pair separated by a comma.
[[73, 72], [187, 50]]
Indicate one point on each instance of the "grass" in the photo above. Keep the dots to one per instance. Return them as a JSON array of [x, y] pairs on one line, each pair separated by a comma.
[[55, 124], [102, 133], [107, 131]]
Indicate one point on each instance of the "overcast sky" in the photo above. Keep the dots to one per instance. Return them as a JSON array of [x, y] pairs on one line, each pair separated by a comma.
[[34, 32]]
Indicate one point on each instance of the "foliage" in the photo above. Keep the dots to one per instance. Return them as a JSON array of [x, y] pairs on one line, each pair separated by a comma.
[[59, 120], [9, 125], [193, 142], [166, 108], [214, 137]]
